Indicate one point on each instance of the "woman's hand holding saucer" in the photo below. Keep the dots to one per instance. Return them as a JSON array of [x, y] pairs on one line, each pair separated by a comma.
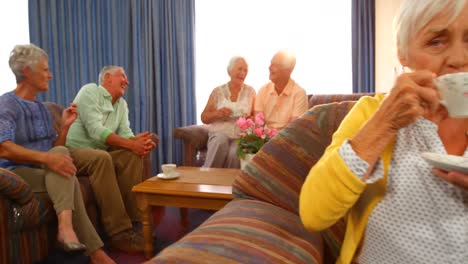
[[456, 178]]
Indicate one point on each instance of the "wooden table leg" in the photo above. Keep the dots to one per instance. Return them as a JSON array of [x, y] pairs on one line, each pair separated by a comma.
[[184, 218], [147, 228]]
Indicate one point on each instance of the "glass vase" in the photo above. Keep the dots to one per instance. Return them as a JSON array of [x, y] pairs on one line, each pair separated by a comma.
[[247, 158]]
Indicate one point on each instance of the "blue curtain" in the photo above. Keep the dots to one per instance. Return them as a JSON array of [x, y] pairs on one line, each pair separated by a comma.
[[363, 31], [153, 40]]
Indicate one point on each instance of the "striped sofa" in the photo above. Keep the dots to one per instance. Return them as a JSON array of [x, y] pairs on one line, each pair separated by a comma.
[[195, 137], [261, 224], [28, 224]]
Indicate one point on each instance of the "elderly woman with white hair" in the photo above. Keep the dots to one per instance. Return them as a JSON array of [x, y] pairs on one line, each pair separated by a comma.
[[226, 104], [31, 148], [398, 208]]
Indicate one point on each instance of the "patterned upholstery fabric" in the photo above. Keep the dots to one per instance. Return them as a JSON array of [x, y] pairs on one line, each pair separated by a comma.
[[38, 211], [26, 231], [262, 224], [278, 171], [14, 188], [27, 246], [247, 231], [333, 237]]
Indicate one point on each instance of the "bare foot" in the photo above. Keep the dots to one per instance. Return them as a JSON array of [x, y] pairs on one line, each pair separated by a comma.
[[100, 257]]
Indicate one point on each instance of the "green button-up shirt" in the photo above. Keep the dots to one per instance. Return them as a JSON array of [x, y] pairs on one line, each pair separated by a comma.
[[97, 118]]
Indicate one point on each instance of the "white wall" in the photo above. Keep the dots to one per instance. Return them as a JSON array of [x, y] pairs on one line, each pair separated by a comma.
[[385, 54], [14, 30]]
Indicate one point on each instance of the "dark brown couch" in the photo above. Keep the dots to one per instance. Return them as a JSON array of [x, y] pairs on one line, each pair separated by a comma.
[[194, 138], [28, 225]]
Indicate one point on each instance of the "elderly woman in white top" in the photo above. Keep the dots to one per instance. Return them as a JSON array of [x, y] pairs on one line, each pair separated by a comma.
[[398, 208], [226, 104]]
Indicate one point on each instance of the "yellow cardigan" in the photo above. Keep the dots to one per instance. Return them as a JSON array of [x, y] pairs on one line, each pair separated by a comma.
[[331, 191]]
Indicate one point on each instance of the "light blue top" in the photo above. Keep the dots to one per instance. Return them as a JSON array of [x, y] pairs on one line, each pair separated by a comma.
[[97, 118]]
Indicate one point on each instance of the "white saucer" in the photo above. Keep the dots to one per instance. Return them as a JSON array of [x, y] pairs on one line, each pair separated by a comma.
[[175, 175], [447, 162]]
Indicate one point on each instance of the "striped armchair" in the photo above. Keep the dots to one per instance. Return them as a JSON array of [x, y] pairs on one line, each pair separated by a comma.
[[195, 137], [28, 224], [261, 224]]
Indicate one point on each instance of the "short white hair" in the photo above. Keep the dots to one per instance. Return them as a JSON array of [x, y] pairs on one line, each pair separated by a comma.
[[108, 69], [414, 15], [23, 56], [288, 59], [233, 62]]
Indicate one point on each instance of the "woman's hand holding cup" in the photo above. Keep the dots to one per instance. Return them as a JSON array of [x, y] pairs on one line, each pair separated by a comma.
[[453, 89]]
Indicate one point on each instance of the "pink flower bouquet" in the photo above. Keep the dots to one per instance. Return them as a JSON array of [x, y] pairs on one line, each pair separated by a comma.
[[253, 134]]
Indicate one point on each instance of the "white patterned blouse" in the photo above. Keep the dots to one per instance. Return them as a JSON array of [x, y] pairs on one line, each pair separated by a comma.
[[242, 106], [422, 218]]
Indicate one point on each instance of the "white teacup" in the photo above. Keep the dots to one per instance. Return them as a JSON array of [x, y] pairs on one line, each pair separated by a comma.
[[168, 169], [453, 89]]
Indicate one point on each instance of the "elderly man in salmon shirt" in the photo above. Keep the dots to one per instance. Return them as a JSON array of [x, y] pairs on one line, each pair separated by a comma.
[[282, 100]]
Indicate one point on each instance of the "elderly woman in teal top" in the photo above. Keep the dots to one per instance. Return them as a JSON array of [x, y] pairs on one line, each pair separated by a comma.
[[32, 149], [107, 150]]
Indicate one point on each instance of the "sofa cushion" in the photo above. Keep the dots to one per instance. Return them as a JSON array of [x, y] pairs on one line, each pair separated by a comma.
[[14, 187], [247, 231], [278, 170], [56, 111], [29, 245], [319, 99], [333, 237], [37, 212], [30, 209]]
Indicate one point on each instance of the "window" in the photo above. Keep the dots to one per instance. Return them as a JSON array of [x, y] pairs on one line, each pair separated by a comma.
[[318, 32], [15, 30]]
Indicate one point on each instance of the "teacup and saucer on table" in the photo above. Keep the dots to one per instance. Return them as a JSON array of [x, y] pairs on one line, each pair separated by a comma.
[[453, 89], [168, 172]]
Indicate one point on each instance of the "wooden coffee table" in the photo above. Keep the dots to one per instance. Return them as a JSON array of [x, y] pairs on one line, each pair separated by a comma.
[[203, 188]]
